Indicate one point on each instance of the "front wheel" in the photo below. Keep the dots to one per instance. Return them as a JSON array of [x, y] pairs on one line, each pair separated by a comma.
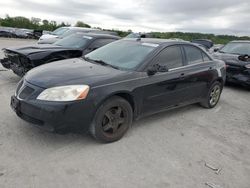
[[112, 120], [213, 95]]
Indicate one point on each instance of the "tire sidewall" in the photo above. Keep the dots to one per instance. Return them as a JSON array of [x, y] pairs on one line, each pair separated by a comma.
[[210, 90], [97, 130]]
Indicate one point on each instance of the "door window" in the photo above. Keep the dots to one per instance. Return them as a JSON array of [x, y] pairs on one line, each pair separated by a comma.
[[170, 57], [194, 55]]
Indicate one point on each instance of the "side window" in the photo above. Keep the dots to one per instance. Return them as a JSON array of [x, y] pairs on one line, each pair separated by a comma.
[[205, 57], [170, 57], [99, 43], [194, 55]]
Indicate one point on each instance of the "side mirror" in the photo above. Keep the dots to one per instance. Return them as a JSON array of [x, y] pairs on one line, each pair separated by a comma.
[[152, 71], [157, 68], [216, 49]]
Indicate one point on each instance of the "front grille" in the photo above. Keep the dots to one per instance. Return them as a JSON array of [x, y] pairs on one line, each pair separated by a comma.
[[26, 92]]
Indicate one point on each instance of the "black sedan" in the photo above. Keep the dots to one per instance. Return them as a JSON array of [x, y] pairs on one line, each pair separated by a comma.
[[21, 60], [236, 55], [107, 89]]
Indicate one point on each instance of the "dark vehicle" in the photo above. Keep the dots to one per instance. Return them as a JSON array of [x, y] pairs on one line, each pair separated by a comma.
[[107, 89], [63, 32], [22, 59], [205, 42], [7, 32], [23, 33], [236, 56], [139, 35]]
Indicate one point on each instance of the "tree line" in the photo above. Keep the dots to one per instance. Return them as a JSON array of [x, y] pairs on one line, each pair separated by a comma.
[[50, 25]]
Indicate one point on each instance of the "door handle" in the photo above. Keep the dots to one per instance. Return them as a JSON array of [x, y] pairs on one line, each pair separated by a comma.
[[182, 76]]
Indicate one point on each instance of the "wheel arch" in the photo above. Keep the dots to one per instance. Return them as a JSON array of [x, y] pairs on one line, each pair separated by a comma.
[[128, 96]]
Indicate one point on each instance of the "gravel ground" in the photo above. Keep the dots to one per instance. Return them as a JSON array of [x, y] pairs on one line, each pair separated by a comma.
[[169, 149]]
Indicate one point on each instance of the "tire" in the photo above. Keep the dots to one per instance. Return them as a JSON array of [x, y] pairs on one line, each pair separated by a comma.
[[213, 95], [112, 120]]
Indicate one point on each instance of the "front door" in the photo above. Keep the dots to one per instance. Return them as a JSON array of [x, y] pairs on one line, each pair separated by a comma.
[[165, 89]]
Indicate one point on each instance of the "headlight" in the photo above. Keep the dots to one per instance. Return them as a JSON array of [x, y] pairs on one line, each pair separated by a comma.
[[65, 93], [247, 66]]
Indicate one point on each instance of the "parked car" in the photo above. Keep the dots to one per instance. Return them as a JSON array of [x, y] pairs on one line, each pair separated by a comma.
[[107, 89], [205, 42], [139, 35], [7, 32], [216, 48], [236, 56], [23, 33], [22, 59], [62, 32]]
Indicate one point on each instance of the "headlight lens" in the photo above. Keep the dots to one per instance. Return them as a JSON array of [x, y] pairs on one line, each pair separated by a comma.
[[64, 93], [247, 66]]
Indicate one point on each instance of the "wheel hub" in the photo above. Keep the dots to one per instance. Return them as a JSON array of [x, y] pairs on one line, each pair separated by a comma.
[[113, 120]]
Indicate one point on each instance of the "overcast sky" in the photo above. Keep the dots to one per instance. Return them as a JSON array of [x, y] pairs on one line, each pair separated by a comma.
[[214, 16]]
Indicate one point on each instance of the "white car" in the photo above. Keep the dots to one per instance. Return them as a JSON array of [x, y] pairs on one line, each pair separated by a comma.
[[61, 33]]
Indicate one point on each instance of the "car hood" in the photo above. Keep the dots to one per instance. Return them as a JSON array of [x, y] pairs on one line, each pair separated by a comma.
[[229, 58], [29, 50], [71, 72]]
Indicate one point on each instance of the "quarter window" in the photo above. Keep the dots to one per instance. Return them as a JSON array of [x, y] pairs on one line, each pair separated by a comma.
[[170, 57], [194, 55]]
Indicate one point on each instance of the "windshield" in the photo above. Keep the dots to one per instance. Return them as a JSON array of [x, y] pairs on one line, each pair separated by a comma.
[[240, 48], [123, 54], [74, 41], [60, 31]]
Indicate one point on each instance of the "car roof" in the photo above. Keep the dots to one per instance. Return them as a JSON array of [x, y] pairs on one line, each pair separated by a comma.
[[81, 28], [159, 41], [97, 35]]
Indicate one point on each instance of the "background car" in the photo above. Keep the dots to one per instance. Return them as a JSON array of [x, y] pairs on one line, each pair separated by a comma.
[[113, 85], [62, 32], [205, 42], [7, 32], [22, 59], [236, 56]]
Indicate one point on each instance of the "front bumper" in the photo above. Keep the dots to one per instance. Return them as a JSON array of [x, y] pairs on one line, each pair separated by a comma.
[[239, 78], [55, 116]]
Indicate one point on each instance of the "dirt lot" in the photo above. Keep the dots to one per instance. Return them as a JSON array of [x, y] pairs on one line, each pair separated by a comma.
[[164, 150]]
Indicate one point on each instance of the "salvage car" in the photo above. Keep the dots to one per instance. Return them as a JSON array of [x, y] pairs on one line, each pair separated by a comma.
[[61, 33], [236, 55], [20, 60], [104, 91]]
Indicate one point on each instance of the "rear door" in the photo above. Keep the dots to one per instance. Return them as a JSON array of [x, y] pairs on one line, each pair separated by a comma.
[[198, 73]]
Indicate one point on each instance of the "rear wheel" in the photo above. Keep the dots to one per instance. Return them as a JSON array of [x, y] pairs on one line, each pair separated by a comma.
[[112, 120], [213, 95]]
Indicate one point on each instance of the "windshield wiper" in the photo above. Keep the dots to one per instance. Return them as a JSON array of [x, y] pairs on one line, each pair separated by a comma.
[[101, 62]]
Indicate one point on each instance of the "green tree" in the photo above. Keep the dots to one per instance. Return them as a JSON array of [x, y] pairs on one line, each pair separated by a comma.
[[82, 24]]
